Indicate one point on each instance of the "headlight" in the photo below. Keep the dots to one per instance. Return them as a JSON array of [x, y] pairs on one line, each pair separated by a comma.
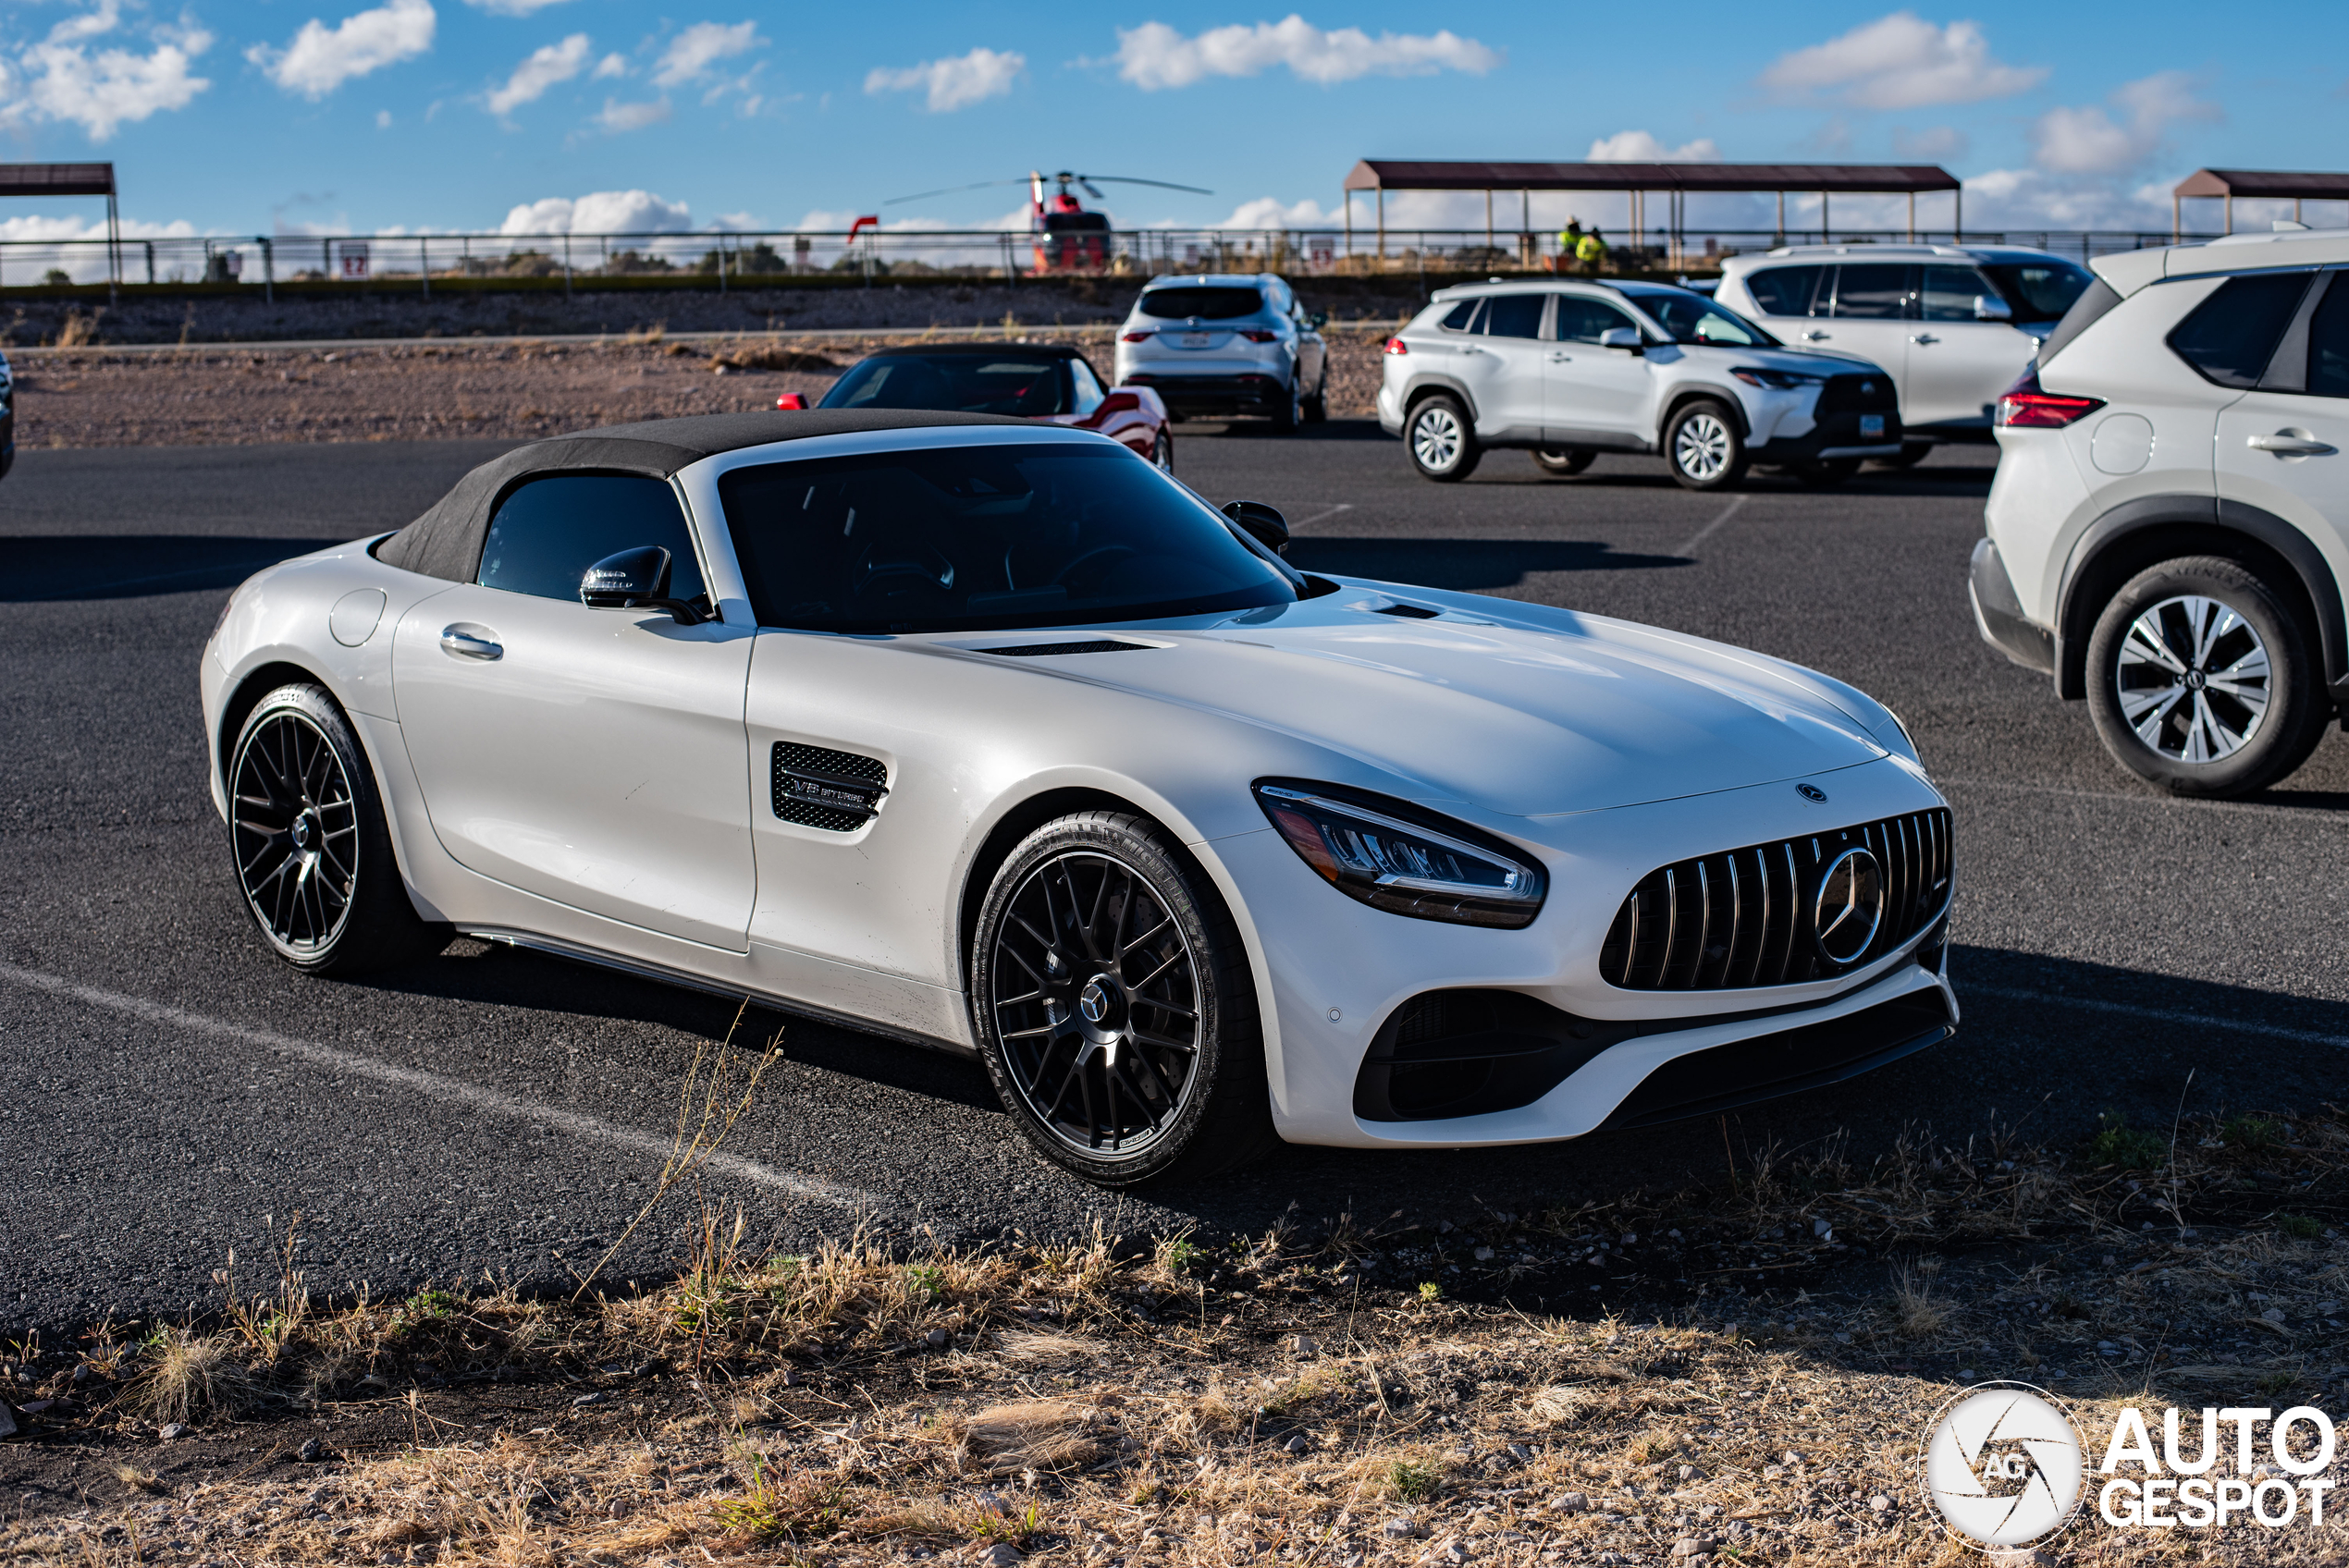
[[1405, 868], [1775, 380]]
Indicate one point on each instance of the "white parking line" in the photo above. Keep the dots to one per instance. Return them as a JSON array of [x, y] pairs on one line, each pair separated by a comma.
[[434, 1085], [1330, 511], [2155, 1014], [1706, 532]]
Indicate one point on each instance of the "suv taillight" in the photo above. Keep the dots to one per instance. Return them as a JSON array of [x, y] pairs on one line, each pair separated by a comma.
[[1137, 337], [1256, 335], [1396, 346], [2024, 407]]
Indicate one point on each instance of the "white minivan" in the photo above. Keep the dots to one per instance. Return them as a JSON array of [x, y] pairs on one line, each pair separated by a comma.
[[1954, 326]]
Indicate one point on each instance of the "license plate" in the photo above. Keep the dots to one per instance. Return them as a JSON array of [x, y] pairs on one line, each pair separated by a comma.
[[1871, 427], [1207, 340]]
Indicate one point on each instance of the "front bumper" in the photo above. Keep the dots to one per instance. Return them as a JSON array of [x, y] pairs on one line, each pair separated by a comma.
[[1997, 613], [1336, 972], [1195, 397], [1833, 436]]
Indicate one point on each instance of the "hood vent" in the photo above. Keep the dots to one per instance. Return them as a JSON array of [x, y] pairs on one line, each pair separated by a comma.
[[1044, 650], [1408, 612]]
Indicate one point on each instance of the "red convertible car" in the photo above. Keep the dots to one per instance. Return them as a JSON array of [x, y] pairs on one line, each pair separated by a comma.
[[1047, 382]]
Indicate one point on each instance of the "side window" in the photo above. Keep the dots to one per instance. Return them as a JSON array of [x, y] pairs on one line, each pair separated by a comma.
[[1783, 291], [1514, 315], [2230, 336], [546, 532], [2328, 343], [1276, 294], [1462, 316], [1947, 293], [1086, 386], [1581, 318], [1875, 292]]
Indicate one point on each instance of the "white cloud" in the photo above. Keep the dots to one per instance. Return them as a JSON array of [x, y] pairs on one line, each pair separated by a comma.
[[610, 65], [544, 67], [1639, 147], [693, 52], [1154, 56], [1936, 143], [618, 116], [1901, 62], [382, 119], [512, 8], [1271, 212], [956, 83], [2089, 140], [599, 211], [2034, 199], [322, 58], [60, 78]]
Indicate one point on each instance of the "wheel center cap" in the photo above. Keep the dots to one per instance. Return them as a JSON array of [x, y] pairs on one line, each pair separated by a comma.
[[2196, 681], [302, 831], [1093, 1002]]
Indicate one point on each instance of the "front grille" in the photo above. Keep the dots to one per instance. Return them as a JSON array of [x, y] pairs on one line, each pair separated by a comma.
[[815, 787], [1745, 917], [1853, 395]]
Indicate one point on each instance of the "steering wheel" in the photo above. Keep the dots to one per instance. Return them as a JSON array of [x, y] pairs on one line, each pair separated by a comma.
[[1096, 552]]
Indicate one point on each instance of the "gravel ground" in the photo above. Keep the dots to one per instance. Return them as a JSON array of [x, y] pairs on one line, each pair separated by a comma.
[[216, 398]]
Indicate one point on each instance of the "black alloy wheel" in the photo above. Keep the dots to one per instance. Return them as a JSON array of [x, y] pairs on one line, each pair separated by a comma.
[[1563, 460], [1163, 451], [306, 830], [1114, 1008], [1317, 407], [1290, 415]]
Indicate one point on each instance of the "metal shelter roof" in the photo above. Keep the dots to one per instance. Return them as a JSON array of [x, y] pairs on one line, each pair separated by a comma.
[[2264, 182], [1385, 174], [56, 179]]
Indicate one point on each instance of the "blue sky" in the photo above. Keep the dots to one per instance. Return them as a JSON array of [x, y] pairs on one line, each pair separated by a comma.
[[266, 116]]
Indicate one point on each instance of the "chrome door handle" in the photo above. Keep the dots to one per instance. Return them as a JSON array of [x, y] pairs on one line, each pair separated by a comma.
[[1925, 337], [2285, 444], [470, 642], [1561, 359], [1814, 338]]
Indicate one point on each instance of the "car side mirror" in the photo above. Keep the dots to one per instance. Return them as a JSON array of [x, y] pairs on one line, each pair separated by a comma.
[[636, 579], [1989, 307], [1262, 523], [1622, 338], [792, 401], [1319, 319]]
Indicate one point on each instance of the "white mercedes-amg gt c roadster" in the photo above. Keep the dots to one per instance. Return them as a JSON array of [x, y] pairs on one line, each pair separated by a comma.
[[994, 738]]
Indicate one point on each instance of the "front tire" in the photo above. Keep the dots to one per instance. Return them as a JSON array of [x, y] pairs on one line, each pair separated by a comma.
[[1703, 447], [1163, 451], [307, 838], [1564, 460], [2202, 678], [1114, 1007], [1441, 441]]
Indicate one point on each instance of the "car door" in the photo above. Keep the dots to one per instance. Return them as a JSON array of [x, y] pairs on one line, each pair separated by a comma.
[[593, 757], [1958, 363], [1867, 316], [1500, 363], [2283, 445], [1594, 395]]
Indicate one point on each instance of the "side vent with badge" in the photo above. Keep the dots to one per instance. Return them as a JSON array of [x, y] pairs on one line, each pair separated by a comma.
[[837, 792]]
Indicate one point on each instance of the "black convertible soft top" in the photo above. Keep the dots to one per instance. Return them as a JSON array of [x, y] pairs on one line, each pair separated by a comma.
[[445, 541]]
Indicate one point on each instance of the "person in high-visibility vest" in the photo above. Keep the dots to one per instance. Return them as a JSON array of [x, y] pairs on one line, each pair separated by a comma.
[[1569, 237], [1591, 250]]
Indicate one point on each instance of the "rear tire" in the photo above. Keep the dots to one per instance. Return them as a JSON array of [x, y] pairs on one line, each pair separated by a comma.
[[1290, 415], [1703, 447], [1114, 1007], [2202, 678], [1564, 460], [308, 841], [1441, 441], [1317, 407]]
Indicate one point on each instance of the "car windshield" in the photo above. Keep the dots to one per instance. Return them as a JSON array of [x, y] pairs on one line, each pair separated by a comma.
[[1009, 383], [1208, 301], [1693, 318], [969, 538], [2040, 290]]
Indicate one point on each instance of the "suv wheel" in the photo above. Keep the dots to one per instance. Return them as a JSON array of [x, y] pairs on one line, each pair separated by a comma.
[[1317, 407], [2203, 680], [1563, 460], [1291, 413], [1441, 443], [1702, 445]]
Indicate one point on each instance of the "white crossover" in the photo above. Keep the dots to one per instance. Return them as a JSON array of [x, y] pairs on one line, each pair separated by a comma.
[[994, 738]]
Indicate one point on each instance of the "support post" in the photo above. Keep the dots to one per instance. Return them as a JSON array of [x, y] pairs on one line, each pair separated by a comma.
[[1781, 229], [1827, 229], [2177, 217], [151, 263], [114, 250], [1346, 199], [566, 266], [2230, 199], [1957, 203], [423, 263], [268, 271], [1488, 218], [1912, 217], [2296, 209], [1382, 227]]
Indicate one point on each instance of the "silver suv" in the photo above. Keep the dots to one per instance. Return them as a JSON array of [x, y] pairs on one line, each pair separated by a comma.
[[1235, 343], [1952, 324], [2169, 522], [1571, 370]]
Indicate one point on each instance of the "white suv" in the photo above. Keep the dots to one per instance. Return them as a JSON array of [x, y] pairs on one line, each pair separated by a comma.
[[1953, 326], [2169, 525], [1234, 343], [1571, 370]]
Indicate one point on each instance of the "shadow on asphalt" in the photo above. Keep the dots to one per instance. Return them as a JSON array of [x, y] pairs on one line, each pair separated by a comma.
[[1463, 564], [130, 566]]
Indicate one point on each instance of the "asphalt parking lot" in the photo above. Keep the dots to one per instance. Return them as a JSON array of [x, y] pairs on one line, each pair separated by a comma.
[[169, 1092]]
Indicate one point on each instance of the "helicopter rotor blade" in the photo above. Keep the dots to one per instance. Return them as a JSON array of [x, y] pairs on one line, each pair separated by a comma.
[[1087, 187], [1129, 179], [953, 190]]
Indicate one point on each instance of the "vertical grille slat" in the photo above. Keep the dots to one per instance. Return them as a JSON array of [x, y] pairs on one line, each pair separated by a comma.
[[1664, 938]]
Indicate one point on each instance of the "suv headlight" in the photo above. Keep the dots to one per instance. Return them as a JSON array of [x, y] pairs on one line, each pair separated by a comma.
[[1412, 867], [1775, 380]]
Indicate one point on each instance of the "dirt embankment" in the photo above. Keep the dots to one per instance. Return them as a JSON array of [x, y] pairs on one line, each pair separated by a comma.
[[214, 397]]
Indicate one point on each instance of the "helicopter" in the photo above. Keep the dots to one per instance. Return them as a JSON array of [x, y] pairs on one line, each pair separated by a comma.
[[1068, 239]]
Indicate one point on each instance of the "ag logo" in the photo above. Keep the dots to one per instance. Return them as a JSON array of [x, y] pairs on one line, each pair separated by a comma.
[[2004, 1465]]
